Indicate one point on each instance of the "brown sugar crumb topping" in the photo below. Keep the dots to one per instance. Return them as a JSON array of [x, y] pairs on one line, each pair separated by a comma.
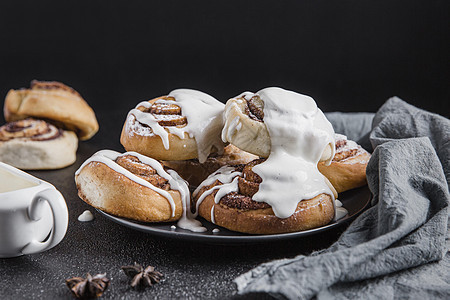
[[144, 171]]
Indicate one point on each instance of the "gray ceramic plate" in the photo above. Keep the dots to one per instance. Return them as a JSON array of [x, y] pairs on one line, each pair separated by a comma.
[[355, 201]]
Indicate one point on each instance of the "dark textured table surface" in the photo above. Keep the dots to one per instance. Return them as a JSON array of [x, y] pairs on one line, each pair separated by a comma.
[[191, 269]]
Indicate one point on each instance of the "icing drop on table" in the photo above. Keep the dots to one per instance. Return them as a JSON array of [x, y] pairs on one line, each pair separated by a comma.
[[86, 216]]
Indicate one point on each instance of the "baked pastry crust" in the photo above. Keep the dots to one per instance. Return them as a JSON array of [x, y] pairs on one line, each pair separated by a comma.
[[55, 102], [238, 212], [348, 168], [152, 144], [108, 190], [185, 124], [309, 214], [37, 145], [195, 172]]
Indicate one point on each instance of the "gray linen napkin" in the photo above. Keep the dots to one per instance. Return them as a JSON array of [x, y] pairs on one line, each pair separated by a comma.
[[397, 248]]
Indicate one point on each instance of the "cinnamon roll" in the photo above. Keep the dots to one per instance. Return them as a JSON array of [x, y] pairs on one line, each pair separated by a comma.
[[52, 101], [227, 198], [348, 167], [134, 186], [35, 144], [185, 124], [195, 172], [245, 126]]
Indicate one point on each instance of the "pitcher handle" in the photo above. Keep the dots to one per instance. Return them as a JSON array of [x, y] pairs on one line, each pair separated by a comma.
[[60, 219]]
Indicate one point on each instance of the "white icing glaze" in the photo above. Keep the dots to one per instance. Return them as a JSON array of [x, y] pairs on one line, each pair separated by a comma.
[[231, 129], [349, 146], [338, 203], [187, 220], [224, 174], [11, 182], [213, 220], [204, 121], [173, 227], [175, 181], [86, 216], [299, 134], [340, 213], [229, 179], [216, 230]]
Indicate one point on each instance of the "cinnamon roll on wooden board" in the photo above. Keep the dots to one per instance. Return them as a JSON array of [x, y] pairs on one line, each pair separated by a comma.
[[226, 199], [348, 167], [185, 124], [55, 101], [35, 144]]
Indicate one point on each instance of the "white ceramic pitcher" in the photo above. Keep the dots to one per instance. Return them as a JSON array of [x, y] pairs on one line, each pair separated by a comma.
[[33, 214]]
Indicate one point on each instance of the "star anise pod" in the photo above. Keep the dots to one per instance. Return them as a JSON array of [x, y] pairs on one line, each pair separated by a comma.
[[141, 276], [89, 287]]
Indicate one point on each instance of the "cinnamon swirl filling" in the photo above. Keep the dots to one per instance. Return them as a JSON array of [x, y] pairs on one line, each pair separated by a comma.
[[52, 85], [344, 148], [30, 129], [166, 114], [144, 171], [248, 185], [254, 108]]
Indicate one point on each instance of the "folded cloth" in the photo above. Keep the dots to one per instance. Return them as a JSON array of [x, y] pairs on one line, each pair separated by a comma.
[[356, 126], [397, 248]]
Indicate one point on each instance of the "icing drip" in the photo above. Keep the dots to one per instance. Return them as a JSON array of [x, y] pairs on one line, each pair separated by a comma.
[[213, 220], [108, 157], [340, 213], [224, 174], [340, 210], [299, 135], [187, 220], [229, 179], [204, 121]]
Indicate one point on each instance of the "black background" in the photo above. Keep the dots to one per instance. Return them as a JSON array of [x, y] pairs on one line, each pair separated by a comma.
[[348, 55]]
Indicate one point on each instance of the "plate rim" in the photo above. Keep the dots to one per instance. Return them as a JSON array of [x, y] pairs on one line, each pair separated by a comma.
[[187, 235]]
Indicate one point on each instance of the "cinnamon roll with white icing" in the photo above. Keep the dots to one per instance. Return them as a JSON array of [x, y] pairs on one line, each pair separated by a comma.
[[285, 192], [185, 124], [55, 101], [348, 167], [226, 198], [245, 126], [137, 187], [35, 144]]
